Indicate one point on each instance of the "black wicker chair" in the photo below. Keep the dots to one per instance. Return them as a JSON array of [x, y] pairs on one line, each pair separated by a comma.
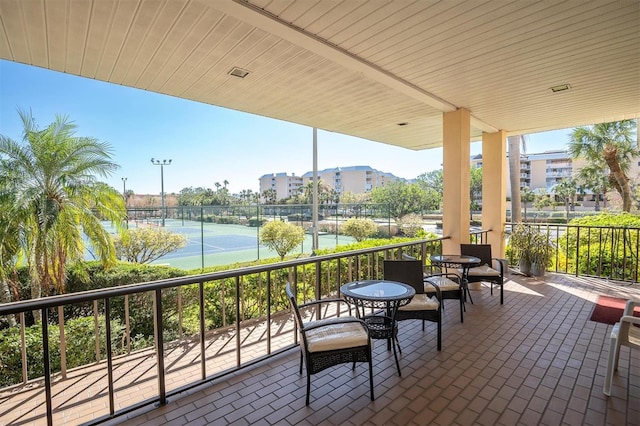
[[491, 269], [450, 284], [331, 341], [421, 307]]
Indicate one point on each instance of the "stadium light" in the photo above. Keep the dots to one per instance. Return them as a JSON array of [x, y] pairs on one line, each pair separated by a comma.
[[161, 164]]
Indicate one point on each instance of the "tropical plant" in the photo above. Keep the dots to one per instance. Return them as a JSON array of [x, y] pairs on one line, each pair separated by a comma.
[[608, 148], [144, 245], [359, 229], [532, 247], [52, 200], [566, 191], [526, 196], [282, 237]]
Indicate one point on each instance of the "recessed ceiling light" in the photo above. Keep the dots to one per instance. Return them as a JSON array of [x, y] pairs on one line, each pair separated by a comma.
[[238, 72], [404, 123], [560, 88]]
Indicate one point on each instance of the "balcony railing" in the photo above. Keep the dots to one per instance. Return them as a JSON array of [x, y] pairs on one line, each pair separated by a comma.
[[240, 297], [244, 298], [594, 251]]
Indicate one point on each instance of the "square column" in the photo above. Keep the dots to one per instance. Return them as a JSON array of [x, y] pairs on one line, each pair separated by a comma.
[[456, 133], [494, 189]]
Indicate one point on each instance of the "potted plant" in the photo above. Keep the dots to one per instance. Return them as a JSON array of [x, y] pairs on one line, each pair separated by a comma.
[[533, 249], [520, 244], [541, 253]]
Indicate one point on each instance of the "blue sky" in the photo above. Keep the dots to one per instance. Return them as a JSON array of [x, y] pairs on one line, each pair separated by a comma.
[[206, 144]]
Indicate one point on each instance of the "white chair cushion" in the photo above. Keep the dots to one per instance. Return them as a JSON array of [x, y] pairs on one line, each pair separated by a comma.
[[337, 336], [444, 283], [421, 302], [483, 270]]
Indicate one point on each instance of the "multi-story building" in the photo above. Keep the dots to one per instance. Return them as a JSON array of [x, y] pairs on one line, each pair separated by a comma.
[[540, 170], [283, 184], [354, 179]]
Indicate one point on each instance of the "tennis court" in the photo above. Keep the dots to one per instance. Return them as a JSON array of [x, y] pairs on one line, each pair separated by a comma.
[[211, 244]]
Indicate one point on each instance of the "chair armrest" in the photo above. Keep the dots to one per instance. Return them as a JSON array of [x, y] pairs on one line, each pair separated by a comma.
[[332, 321], [438, 292], [450, 275], [630, 306], [500, 262], [630, 319], [323, 301]]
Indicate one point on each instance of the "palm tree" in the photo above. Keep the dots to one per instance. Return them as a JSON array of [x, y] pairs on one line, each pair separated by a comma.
[[612, 143], [53, 200]]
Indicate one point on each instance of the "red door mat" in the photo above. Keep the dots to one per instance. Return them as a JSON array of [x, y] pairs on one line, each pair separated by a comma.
[[608, 310]]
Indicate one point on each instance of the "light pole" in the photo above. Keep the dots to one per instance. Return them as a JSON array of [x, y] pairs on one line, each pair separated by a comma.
[[161, 164], [124, 190], [124, 195]]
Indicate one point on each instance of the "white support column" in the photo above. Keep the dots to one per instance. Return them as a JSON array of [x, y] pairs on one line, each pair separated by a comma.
[[456, 163], [494, 188]]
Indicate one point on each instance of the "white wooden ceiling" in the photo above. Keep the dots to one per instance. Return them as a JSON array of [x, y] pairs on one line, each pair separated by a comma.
[[352, 66]]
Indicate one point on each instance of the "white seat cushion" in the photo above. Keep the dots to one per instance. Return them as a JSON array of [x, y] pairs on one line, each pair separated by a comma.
[[337, 336], [444, 283], [485, 270], [421, 302]]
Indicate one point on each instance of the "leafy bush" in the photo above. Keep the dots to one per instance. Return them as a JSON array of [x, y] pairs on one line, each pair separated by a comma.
[[144, 245], [608, 248], [359, 229], [79, 335]]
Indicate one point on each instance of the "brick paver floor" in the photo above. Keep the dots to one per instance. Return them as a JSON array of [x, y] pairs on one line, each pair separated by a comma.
[[537, 359]]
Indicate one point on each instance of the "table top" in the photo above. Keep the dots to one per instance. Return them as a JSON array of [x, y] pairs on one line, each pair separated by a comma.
[[378, 290], [459, 259]]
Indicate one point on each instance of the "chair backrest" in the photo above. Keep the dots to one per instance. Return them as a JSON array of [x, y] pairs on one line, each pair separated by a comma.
[[481, 251], [405, 271], [294, 305]]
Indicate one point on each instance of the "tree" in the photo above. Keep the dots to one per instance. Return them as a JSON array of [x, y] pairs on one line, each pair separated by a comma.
[[269, 196], [594, 178], [53, 200], [401, 197], [609, 144], [475, 188], [359, 229], [541, 199], [144, 245], [433, 185], [566, 190], [281, 237], [527, 196]]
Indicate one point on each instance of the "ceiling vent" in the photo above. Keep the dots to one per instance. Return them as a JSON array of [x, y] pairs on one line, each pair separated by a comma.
[[238, 72], [404, 123], [560, 88]]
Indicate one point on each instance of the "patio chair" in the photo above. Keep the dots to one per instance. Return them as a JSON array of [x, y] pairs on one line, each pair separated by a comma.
[[326, 342], [626, 332], [450, 284], [421, 307], [490, 269]]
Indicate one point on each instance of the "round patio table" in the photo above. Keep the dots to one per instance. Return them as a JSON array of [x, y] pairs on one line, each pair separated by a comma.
[[374, 295], [457, 261]]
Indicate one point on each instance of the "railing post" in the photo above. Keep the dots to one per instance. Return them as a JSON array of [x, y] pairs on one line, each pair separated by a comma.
[[158, 327], [63, 343], [203, 369], [180, 311], [107, 315], [96, 327], [127, 325], [238, 329], [47, 366], [23, 349]]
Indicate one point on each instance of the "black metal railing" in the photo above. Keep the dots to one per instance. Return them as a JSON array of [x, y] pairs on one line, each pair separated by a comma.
[[253, 294], [594, 251]]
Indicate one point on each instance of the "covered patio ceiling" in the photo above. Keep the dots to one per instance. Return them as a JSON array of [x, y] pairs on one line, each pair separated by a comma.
[[379, 70]]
